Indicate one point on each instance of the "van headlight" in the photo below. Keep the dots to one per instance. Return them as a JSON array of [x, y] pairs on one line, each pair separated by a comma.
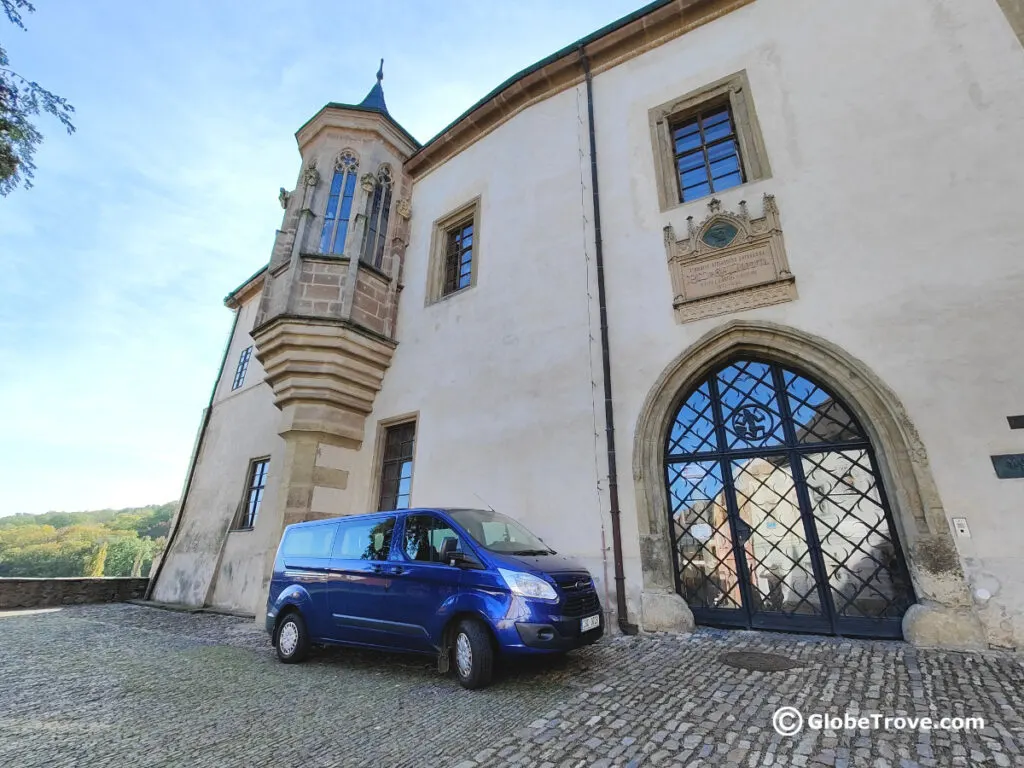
[[528, 585]]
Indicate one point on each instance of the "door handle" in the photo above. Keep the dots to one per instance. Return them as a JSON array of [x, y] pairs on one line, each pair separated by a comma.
[[398, 570]]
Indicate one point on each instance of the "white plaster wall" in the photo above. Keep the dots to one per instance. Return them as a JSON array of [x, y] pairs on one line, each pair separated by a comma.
[[243, 426], [499, 374], [892, 131]]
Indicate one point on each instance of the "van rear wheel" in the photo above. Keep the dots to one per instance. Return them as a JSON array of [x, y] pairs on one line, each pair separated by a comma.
[[474, 655], [292, 639]]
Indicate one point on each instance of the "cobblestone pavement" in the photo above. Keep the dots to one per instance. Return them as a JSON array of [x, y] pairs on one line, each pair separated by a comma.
[[121, 685]]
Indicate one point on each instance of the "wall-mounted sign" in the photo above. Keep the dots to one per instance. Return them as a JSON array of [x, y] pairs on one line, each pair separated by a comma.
[[1008, 465], [1016, 422], [960, 526]]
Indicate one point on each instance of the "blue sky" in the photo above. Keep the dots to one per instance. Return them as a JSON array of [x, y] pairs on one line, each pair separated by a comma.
[[116, 263]]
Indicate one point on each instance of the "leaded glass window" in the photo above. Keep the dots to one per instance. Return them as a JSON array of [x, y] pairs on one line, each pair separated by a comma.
[[380, 210], [339, 203]]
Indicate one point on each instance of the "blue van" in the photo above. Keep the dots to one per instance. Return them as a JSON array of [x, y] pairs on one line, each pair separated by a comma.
[[467, 583]]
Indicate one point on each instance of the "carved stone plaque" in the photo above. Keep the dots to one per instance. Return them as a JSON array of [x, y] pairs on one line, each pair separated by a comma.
[[729, 263]]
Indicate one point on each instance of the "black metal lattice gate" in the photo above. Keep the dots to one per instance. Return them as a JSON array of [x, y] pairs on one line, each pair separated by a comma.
[[778, 516]]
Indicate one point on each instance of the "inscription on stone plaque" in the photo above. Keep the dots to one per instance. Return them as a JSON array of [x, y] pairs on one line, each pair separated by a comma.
[[1008, 466], [729, 263], [727, 273]]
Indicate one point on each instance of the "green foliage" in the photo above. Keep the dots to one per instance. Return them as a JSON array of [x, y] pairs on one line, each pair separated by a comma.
[[106, 542], [97, 561], [20, 100]]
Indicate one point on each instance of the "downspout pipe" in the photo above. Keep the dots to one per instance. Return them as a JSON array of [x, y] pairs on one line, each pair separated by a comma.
[[606, 366], [192, 463]]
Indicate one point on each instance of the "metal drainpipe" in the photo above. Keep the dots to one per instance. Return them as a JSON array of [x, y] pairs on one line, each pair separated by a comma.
[[606, 365], [192, 464]]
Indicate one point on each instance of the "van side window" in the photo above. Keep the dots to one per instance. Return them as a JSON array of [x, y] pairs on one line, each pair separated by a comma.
[[370, 540], [314, 541], [423, 537]]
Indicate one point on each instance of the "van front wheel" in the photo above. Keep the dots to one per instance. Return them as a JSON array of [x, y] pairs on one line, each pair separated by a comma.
[[474, 656], [292, 639]]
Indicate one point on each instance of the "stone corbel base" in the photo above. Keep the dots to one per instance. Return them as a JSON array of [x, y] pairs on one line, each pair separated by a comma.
[[664, 612], [931, 625]]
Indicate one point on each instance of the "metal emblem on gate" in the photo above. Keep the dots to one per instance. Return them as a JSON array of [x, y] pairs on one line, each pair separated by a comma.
[[752, 422]]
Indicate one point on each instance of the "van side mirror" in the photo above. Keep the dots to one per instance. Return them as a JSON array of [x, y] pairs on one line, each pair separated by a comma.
[[448, 553]]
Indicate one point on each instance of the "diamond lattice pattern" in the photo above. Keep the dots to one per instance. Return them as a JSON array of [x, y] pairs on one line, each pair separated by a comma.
[[700, 530], [781, 571], [865, 573]]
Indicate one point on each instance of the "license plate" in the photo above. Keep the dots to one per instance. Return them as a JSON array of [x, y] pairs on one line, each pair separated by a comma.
[[589, 623]]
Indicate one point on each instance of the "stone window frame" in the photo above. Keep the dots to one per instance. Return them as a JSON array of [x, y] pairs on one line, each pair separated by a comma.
[[469, 211], [734, 90], [380, 441], [241, 514]]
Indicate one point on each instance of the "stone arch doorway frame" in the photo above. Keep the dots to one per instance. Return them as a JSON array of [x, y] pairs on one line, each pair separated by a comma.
[[943, 615]]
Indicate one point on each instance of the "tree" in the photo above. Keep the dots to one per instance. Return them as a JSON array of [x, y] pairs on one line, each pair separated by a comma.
[[98, 560], [20, 99]]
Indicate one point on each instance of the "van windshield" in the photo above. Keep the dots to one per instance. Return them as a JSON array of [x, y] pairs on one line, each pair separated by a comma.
[[498, 533]]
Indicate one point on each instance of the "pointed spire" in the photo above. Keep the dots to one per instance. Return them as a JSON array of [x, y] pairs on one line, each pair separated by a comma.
[[375, 98]]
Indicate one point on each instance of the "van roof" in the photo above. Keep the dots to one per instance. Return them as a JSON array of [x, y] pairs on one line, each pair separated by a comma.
[[326, 520]]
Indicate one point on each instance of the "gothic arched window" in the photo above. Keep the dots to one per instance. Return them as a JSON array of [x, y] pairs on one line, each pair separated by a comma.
[[380, 209], [339, 204]]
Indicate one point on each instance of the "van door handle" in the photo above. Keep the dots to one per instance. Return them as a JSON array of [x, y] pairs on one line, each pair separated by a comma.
[[398, 570]]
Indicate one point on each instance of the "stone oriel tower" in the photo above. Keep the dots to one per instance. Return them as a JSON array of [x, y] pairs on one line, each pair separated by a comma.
[[325, 327]]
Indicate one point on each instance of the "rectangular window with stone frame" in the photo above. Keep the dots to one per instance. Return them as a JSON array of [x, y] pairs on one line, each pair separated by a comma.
[[396, 462], [454, 252], [255, 485], [707, 141]]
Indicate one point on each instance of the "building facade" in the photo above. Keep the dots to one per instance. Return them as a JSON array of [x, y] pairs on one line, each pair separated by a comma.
[[723, 300]]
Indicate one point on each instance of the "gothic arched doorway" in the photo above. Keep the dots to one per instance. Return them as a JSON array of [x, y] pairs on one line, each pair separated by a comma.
[[776, 508]]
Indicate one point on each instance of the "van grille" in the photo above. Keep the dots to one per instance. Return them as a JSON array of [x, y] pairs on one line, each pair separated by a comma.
[[580, 597]]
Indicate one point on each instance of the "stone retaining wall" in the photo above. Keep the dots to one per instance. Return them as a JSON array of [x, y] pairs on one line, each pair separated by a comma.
[[42, 593]]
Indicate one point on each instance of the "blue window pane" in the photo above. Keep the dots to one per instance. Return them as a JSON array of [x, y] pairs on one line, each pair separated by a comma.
[[724, 167], [715, 117], [719, 151], [691, 161], [698, 190], [686, 137], [716, 132], [336, 183], [732, 180], [696, 176]]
